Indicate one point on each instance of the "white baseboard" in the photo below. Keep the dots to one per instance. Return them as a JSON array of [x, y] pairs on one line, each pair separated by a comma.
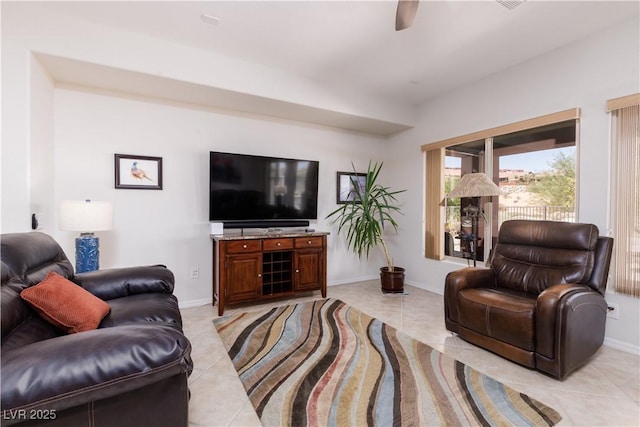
[[195, 303], [622, 346], [438, 290], [352, 280]]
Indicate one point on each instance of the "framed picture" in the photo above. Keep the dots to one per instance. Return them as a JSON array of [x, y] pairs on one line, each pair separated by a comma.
[[346, 189], [138, 172]]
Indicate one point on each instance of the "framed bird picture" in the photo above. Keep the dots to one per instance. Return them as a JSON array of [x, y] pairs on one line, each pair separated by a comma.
[[138, 172], [347, 182]]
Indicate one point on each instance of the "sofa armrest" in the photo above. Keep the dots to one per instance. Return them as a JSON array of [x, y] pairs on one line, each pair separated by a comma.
[[470, 277], [74, 369], [121, 282]]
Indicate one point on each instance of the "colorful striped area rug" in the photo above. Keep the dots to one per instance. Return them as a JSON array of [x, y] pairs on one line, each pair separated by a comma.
[[324, 363]]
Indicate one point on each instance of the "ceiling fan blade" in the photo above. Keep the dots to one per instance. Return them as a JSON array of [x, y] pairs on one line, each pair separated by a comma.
[[405, 13]]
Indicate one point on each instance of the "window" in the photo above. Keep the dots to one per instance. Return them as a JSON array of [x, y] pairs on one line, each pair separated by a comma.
[[625, 115], [533, 162]]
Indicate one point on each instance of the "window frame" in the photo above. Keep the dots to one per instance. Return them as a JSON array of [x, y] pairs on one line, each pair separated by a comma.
[[434, 179]]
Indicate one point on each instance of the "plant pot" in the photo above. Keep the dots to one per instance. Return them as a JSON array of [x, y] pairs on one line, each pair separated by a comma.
[[392, 281]]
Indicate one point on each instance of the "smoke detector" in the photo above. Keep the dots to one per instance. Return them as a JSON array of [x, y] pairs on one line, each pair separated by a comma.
[[511, 4], [210, 19]]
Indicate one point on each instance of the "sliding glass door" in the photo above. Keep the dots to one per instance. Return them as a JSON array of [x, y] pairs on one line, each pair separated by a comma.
[[536, 170]]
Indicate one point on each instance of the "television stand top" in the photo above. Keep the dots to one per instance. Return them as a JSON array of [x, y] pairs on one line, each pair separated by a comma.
[[266, 235]]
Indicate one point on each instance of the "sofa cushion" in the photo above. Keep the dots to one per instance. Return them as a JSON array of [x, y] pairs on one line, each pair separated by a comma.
[[152, 308], [33, 329], [31, 256], [505, 315], [65, 304], [14, 311], [21, 325]]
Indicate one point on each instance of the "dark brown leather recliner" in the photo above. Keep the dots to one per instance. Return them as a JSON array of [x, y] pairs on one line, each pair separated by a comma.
[[541, 303]]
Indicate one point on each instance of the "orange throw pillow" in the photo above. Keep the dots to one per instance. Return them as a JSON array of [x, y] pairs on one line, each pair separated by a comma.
[[65, 304]]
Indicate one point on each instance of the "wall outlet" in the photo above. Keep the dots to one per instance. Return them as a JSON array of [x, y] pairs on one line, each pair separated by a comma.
[[195, 273], [614, 311]]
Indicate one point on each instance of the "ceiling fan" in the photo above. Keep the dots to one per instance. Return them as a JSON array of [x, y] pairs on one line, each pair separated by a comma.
[[405, 13]]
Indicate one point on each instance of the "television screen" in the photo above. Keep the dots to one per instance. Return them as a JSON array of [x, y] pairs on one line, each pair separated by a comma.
[[253, 188]]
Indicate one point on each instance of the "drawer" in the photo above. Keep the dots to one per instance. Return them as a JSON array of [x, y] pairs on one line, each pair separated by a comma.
[[277, 244], [244, 246], [309, 242]]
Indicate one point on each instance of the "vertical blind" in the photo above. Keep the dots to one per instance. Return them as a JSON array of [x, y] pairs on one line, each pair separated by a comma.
[[434, 232], [626, 193]]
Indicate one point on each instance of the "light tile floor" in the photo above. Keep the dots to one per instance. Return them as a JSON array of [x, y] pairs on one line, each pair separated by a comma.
[[604, 392]]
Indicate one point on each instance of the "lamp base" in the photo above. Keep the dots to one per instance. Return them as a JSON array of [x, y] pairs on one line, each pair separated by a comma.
[[87, 253], [474, 227]]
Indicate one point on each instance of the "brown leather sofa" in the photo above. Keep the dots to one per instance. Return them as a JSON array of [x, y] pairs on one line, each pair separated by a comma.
[[541, 303], [132, 370]]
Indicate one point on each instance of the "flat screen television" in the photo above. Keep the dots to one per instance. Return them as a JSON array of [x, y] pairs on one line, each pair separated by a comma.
[[247, 189]]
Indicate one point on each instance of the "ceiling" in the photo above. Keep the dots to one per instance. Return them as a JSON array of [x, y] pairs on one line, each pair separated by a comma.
[[346, 48], [352, 45]]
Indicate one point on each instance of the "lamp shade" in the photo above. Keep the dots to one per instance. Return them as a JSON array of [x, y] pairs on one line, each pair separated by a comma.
[[475, 185], [86, 216]]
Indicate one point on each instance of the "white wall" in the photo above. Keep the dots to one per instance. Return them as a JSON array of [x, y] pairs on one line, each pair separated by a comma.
[[584, 74], [41, 151], [15, 137], [171, 226]]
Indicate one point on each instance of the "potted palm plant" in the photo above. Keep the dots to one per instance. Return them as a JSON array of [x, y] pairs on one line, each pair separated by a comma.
[[364, 217]]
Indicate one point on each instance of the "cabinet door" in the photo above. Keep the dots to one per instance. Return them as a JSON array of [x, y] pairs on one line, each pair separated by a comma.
[[243, 277], [308, 269]]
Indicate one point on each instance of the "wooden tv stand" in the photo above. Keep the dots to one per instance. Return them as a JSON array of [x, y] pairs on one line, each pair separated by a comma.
[[262, 266]]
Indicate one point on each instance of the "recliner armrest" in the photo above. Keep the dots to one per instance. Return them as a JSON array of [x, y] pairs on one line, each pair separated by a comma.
[[121, 282], [570, 323], [547, 306], [74, 369], [470, 277]]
